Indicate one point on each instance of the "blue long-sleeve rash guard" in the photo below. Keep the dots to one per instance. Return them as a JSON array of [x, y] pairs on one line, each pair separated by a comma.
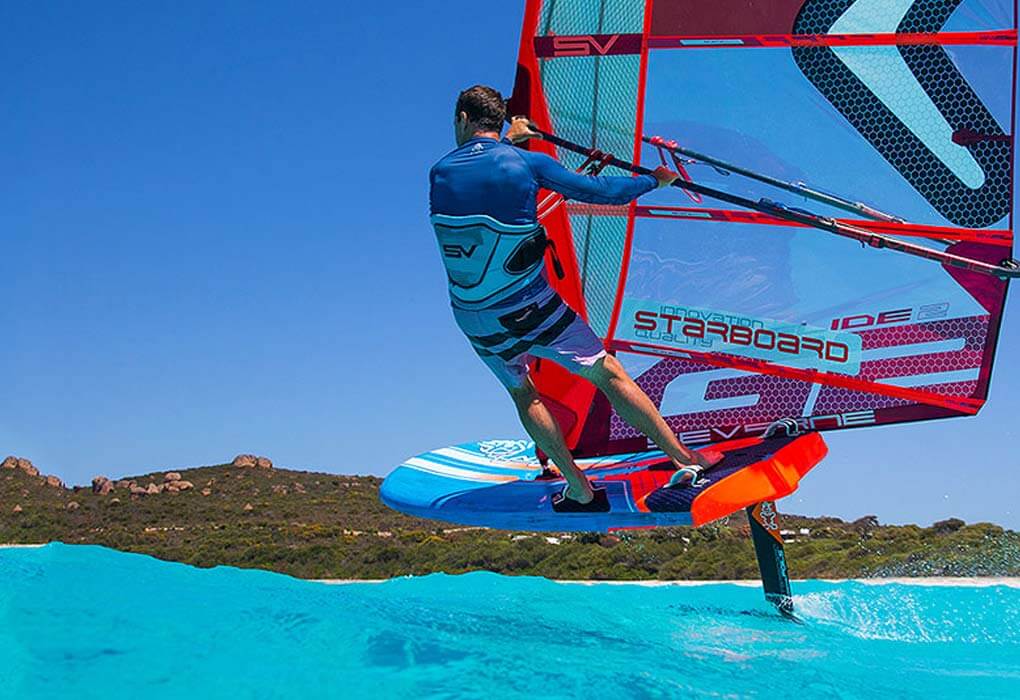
[[483, 203], [496, 179]]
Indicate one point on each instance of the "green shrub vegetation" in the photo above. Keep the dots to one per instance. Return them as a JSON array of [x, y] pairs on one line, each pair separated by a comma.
[[316, 525]]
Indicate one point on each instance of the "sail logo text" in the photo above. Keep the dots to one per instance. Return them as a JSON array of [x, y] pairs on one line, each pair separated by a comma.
[[678, 327], [928, 312], [830, 421], [583, 45]]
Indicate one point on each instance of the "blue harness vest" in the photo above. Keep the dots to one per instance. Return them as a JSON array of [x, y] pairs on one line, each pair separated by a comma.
[[486, 260]]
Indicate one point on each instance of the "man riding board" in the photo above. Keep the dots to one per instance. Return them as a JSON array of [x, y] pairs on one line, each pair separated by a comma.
[[483, 205]]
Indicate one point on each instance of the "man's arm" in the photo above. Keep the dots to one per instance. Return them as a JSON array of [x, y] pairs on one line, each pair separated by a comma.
[[594, 189]]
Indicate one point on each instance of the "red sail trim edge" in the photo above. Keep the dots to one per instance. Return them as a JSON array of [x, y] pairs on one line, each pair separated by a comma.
[[564, 46], [1005, 37], [569, 398]]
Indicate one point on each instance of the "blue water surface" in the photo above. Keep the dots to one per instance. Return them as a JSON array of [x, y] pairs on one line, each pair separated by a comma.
[[89, 622]]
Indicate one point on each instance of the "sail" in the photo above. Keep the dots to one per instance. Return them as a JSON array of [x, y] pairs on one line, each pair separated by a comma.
[[888, 117]]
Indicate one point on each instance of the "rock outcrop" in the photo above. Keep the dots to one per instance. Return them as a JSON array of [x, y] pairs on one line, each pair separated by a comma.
[[21, 463], [944, 527], [172, 483], [26, 466], [249, 461]]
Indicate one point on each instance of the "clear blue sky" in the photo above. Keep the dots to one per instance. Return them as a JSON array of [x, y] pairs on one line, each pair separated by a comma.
[[214, 239]]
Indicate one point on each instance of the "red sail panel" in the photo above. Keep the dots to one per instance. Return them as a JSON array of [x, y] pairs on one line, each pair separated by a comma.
[[731, 326]]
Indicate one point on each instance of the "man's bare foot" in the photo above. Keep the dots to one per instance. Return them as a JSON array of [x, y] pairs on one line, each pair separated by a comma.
[[709, 458], [702, 460]]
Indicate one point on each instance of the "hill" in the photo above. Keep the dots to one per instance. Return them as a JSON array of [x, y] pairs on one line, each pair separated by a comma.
[[317, 525]]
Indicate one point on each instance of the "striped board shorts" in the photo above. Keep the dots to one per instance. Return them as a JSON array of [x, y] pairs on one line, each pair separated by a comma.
[[535, 324]]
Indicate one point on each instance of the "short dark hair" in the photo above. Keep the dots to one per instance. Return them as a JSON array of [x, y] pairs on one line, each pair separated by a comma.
[[484, 107]]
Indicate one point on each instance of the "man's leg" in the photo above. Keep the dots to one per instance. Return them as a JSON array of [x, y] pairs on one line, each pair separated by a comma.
[[545, 431], [637, 409]]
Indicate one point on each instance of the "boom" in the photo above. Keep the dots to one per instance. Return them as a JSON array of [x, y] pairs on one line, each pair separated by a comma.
[[1007, 269]]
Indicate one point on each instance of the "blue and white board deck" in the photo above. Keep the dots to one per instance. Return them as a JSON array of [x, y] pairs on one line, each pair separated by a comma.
[[499, 484]]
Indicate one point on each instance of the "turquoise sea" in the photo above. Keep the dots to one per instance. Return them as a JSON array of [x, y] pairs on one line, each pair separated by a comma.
[[88, 622]]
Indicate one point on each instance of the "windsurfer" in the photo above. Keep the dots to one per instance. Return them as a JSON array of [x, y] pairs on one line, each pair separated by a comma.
[[483, 206]]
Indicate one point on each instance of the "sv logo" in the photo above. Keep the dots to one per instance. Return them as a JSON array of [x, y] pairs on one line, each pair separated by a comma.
[[583, 45], [459, 251]]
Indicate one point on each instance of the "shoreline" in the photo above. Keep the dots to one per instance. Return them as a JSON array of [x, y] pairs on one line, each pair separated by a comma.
[[962, 581], [971, 581]]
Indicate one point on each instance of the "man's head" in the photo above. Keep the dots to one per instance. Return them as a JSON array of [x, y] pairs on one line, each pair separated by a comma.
[[480, 110]]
